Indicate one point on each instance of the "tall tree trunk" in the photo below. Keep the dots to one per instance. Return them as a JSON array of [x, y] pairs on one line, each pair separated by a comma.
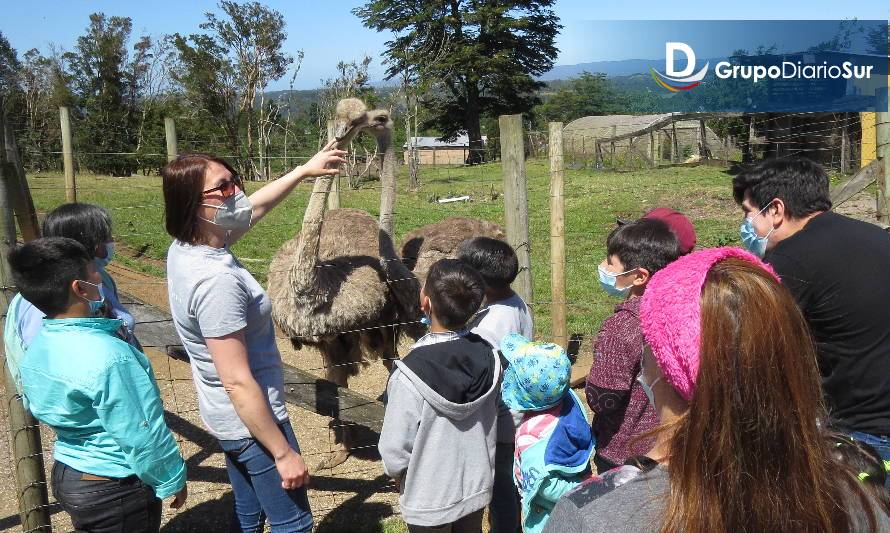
[[472, 124]]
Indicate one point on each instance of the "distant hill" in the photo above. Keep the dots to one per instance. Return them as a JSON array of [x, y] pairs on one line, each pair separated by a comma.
[[624, 67]]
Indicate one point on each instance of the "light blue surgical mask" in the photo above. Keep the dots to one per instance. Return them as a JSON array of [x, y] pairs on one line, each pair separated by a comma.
[[647, 388], [608, 280], [95, 305], [753, 242], [109, 253]]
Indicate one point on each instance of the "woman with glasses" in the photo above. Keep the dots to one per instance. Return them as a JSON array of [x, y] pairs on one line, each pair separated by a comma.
[[223, 317]]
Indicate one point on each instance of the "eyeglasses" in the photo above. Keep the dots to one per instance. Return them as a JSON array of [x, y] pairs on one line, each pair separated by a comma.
[[227, 188]]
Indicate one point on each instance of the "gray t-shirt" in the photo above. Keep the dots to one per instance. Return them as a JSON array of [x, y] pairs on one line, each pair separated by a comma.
[[493, 323], [627, 500], [213, 295]]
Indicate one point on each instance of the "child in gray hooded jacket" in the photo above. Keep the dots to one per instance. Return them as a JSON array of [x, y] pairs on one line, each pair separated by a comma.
[[439, 431]]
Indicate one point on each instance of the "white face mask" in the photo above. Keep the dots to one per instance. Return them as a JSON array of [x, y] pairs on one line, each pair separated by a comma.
[[647, 387], [233, 214]]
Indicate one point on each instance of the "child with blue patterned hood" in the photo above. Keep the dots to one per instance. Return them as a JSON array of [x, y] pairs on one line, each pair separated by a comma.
[[553, 441]]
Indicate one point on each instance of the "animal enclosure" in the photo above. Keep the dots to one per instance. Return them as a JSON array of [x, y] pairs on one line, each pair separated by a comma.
[[356, 490]]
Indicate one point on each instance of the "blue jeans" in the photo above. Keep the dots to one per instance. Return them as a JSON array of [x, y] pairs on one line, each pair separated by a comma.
[[257, 488], [880, 443]]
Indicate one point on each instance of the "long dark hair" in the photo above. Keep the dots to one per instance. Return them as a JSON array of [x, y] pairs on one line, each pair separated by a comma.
[[183, 182], [748, 454]]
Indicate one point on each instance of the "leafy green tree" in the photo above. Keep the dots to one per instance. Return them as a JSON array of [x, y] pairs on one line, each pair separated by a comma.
[[588, 94], [493, 50], [106, 125], [226, 68], [9, 67]]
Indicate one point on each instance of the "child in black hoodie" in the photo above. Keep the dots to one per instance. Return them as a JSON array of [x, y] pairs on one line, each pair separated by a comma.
[[439, 431]]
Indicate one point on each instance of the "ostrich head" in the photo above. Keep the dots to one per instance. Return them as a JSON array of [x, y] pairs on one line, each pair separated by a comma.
[[380, 125], [352, 117]]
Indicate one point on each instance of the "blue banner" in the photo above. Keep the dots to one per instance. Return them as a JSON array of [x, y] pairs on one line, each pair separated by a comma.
[[738, 65]]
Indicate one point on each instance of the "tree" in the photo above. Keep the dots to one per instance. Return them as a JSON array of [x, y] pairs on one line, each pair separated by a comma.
[[587, 95], [107, 95], [229, 66], [495, 48], [9, 67]]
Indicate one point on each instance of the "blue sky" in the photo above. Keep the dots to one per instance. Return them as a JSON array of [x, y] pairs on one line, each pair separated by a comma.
[[328, 32]]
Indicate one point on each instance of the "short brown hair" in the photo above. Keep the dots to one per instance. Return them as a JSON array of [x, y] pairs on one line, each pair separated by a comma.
[[183, 191]]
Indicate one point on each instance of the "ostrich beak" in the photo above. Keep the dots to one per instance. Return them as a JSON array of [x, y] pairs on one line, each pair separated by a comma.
[[344, 129]]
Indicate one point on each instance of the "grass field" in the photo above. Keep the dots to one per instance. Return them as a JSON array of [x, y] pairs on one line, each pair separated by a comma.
[[593, 200]]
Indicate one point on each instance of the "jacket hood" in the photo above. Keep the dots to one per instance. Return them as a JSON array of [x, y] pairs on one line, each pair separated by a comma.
[[455, 377]]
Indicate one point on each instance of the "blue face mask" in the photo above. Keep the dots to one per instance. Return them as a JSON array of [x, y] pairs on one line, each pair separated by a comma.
[[109, 252], [95, 305], [753, 242], [608, 279], [647, 387]]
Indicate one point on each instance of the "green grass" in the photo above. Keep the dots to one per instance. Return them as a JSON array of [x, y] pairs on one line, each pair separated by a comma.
[[593, 200]]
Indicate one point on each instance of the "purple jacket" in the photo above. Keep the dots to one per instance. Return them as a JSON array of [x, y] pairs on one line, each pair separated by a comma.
[[620, 408]]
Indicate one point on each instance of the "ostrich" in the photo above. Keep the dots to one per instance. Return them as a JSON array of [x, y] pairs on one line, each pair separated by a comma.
[[425, 245], [338, 284]]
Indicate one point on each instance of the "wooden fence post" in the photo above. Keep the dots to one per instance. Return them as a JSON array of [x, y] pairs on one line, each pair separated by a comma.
[[652, 157], [557, 238], [67, 155], [882, 125], [24, 430], [675, 143], [516, 199], [703, 150], [612, 156], [16, 185], [334, 196], [170, 134]]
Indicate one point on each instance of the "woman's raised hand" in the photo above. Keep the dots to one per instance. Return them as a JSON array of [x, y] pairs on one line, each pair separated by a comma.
[[326, 162]]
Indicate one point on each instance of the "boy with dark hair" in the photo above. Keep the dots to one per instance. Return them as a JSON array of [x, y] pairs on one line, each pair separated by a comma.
[[114, 456], [438, 437], [622, 412], [835, 267], [503, 312]]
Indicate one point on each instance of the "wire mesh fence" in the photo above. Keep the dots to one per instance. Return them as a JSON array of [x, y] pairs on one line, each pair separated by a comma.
[[357, 492]]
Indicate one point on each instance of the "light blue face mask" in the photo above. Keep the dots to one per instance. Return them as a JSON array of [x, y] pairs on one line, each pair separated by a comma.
[[109, 253], [753, 242], [647, 388], [95, 305], [608, 280]]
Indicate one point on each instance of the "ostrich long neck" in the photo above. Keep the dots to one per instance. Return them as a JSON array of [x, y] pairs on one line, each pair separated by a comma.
[[306, 258], [387, 182], [303, 271]]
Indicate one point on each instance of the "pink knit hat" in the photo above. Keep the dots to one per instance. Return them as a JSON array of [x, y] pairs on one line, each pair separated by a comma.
[[670, 313]]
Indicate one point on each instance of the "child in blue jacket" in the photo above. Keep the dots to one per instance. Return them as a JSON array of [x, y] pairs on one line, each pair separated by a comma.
[[553, 441], [115, 457]]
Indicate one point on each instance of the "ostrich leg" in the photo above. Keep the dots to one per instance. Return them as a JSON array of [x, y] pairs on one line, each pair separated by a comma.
[[340, 355]]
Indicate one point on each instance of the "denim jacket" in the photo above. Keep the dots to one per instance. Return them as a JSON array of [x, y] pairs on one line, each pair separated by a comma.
[[99, 395]]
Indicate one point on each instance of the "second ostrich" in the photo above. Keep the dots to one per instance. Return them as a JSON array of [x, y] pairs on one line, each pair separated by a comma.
[[338, 284], [425, 245]]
